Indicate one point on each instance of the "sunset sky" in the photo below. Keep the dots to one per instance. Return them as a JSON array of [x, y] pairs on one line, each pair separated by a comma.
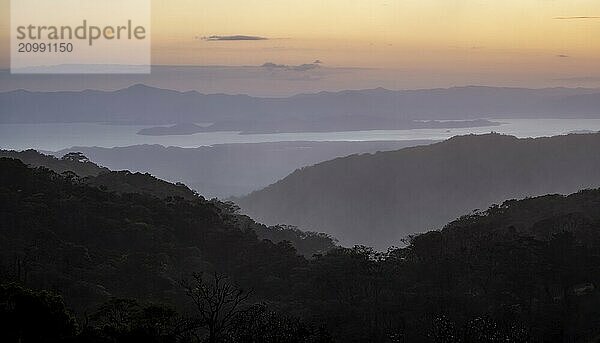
[[516, 37]]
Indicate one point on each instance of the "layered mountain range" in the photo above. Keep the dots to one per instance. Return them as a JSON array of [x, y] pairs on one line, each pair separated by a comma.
[[321, 112], [379, 199]]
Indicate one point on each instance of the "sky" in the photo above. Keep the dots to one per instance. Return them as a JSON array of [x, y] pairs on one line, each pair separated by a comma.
[[531, 42]]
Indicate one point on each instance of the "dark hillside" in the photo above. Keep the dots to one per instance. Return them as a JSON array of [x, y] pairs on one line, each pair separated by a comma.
[[523, 271], [378, 199]]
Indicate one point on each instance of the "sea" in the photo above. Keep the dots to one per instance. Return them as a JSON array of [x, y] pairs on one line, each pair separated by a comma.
[[58, 136]]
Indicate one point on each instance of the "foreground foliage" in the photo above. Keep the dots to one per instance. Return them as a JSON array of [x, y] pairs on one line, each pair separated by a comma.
[[523, 271]]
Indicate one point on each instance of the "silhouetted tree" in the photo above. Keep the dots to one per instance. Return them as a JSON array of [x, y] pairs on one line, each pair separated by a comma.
[[218, 301]]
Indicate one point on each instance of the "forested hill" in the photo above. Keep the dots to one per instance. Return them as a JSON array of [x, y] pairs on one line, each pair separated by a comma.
[[377, 199], [524, 271], [77, 167], [63, 232], [73, 162]]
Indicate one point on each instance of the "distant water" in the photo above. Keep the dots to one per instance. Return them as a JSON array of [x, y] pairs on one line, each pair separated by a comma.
[[53, 137]]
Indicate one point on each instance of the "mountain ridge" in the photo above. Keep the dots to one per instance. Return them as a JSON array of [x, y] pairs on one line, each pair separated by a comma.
[[325, 111], [76, 168], [378, 199]]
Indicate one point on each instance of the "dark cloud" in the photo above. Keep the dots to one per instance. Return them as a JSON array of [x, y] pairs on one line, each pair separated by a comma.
[[305, 67], [233, 38], [576, 17], [562, 56], [301, 67], [273, 65]]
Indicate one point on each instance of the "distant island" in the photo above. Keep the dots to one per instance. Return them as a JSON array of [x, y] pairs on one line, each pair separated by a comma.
[[174, 130], [293, 126], [581, 132]]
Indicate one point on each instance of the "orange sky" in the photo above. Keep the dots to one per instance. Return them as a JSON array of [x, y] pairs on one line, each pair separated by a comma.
[[506, 36]]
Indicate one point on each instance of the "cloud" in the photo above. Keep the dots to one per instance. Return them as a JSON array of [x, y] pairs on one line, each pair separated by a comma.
[[562, 56], [576, 17], [305, 67], [233, 38], [273, 65], [301, 67]]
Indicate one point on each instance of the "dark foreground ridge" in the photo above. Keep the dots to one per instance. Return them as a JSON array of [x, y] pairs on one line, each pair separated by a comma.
[[124, 263], [77, 167]]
